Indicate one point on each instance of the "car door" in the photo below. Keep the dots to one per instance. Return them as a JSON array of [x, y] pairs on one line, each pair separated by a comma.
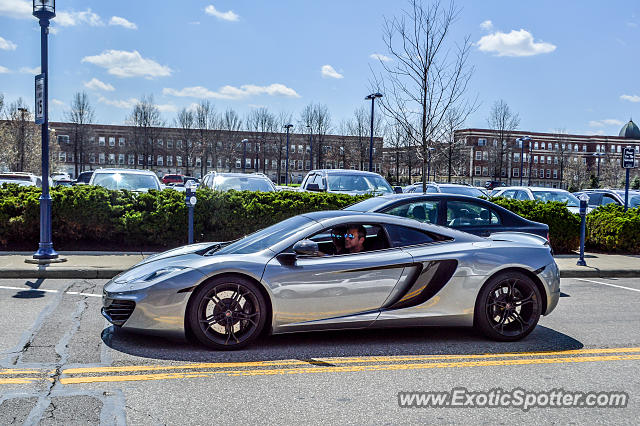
[[423, 210], [472, 217], [346, 290]]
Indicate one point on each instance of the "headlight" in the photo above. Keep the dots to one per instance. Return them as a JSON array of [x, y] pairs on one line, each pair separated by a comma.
[[156, 274]]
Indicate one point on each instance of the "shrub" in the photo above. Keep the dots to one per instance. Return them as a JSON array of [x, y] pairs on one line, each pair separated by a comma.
[[610, 228]]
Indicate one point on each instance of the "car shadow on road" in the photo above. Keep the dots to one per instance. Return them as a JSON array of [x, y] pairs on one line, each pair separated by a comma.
[[324, 344]]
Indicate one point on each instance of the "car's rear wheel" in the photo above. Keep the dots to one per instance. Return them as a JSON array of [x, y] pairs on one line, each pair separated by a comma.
[[508, 307], [227, 313]]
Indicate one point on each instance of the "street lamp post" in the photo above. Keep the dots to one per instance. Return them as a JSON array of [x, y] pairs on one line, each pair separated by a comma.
[[429, 163], [244, 154], [23, 111], [44, 10], [310, 147], [373, 97], [522, 140], [598, 155], [286, 176]]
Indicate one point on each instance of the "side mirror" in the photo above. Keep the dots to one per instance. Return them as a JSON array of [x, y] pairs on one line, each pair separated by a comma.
[[397, 189], [313, 187], [306, 248]]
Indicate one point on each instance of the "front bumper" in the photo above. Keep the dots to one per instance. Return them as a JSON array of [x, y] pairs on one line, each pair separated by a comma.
[[550, 277]]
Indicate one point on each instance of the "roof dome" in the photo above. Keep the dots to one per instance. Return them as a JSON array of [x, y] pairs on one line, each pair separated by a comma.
[[630, 131]]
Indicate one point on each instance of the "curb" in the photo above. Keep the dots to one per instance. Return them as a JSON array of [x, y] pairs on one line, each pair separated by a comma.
[[598, 273]]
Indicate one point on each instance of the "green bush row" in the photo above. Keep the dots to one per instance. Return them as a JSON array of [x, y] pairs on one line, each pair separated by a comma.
[[610, 228], [121, 219]]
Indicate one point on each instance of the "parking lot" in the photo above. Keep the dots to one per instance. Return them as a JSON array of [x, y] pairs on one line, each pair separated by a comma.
[[60, 360]]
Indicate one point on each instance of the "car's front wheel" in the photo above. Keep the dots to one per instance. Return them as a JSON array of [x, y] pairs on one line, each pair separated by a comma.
[[227, 313], [508, 307]]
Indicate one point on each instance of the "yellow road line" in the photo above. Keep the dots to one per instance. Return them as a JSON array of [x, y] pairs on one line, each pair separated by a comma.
[[9, 371], [340, 360], [348, 369], [23, 380]]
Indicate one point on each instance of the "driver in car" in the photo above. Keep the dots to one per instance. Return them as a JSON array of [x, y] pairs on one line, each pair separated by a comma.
[[354, 239]]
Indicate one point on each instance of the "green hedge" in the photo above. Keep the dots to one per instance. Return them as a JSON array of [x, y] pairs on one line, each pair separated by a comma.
[[564, 226], [85, 214], [610, 228]]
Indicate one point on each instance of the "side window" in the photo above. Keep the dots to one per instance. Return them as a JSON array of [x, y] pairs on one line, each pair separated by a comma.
[[521, 195], [424, 211], [402, 236], [511, 193], [608, 200], [332, 241], [431, 189], [464, 213]]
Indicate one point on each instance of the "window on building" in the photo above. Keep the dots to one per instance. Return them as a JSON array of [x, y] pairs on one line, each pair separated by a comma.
[[293, 149], [307, 165], [101, 158], [101, 141], [149, 160], [534, 172], [160, 160], [478, 171], [160, 142], [485, 155], [548, 173], [92, 158], [535, 159], [555, 174], [131, 159], [541, 145], [503, 173], [178, 160], [169, 160], [584, 160], [584, 148], [92, 140], [140, 160], [198, 162], [478, 155], [169, 143], [112, 141], [516, 156], [179, 144], [247, 162], [548, 159], [485, 171], [238, 163], [112, 158], [535, 145], [482, 142], [121, 142], [516, 172], [121, 159], [70, 157], [62, 157], [555, 160], [63, 139]]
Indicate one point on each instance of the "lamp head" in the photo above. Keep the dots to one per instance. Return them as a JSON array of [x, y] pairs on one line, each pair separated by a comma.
[[44, 9]]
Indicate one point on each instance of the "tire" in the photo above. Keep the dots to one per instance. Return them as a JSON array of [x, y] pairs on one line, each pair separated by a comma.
[[508, 307], [227, 313]]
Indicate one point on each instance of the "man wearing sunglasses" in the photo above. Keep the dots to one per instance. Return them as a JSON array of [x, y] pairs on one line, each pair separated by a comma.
[[354, 238]]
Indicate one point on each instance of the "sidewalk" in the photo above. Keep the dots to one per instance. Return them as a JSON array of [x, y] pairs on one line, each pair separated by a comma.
[[106, 265]]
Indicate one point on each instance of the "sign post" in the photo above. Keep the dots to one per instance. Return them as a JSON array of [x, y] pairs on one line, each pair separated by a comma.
[[40, 99], [628, 162]]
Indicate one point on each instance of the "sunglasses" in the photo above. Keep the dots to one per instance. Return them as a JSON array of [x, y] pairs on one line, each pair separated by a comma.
[[349, 236]]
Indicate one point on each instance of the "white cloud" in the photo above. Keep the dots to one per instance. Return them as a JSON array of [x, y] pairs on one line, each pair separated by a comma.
[[27, 70], [7, 44], [233, 93], [516, 43], [630, 98], [128, 64], [605, 122], [57, 102], [487, 25], [95, 84], [124, 104], [116, 20], [16, 9], [167, 108], [70, 19], [4, 70], [328, 71], [225, 16], [380, 57]]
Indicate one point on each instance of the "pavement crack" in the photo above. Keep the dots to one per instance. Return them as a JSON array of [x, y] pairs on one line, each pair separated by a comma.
[[318, 363]]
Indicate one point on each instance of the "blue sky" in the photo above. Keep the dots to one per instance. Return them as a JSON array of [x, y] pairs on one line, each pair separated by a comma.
[[558, 64]]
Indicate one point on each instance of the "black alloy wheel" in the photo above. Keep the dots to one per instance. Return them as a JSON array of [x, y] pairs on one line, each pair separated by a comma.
[[227, 313], [508, 307]]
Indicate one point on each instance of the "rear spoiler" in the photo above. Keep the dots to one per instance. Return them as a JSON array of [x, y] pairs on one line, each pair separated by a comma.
[[519, 237]]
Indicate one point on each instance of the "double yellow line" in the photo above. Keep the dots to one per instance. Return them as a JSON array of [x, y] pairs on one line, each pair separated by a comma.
[[321, 365]]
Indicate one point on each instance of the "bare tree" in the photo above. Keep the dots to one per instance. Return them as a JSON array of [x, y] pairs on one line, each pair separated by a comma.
[[395, 139], [146, 122], [562, 148], [358, 127], [260, 122], [427, 76], [185, 121], [577, 174], [503, 122], [319, 118], [19, 143], [282, 119], [80, 116], [450, 149], [206, 121], [230, 122]]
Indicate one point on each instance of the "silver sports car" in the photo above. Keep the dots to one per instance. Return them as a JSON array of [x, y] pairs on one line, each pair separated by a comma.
[[338, 269]]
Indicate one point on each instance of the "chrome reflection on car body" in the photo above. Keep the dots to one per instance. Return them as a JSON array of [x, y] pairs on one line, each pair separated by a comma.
[[424, 284]]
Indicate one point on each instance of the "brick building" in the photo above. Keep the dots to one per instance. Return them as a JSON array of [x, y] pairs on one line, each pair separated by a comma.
[[172, 150]]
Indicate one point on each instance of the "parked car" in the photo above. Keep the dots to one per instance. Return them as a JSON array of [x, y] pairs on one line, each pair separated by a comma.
[[539, 193], [129, 179], [492, 184], [240, 182], [84, 177], [21, 178], [353, 182], [281, 279], [172, 178], [63, 182], [447, 188], [469, 214], [601, 197]]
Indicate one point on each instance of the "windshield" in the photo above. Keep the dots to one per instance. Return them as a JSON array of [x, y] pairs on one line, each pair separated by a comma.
[[563, 197], [266, 237], [15, 178], [634, 199], [462, 190], [358, 183], [241, 183], [129, 181]]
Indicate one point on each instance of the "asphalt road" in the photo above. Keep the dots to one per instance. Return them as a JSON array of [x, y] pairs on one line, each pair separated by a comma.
[[61, 363]]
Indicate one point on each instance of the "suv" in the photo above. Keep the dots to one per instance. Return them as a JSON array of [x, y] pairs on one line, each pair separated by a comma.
[[239, 182], [447, 188], [491, 184], [601, 197], [541, 194], [353, 182], [84, 177], [166, 179], [129, 179]]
